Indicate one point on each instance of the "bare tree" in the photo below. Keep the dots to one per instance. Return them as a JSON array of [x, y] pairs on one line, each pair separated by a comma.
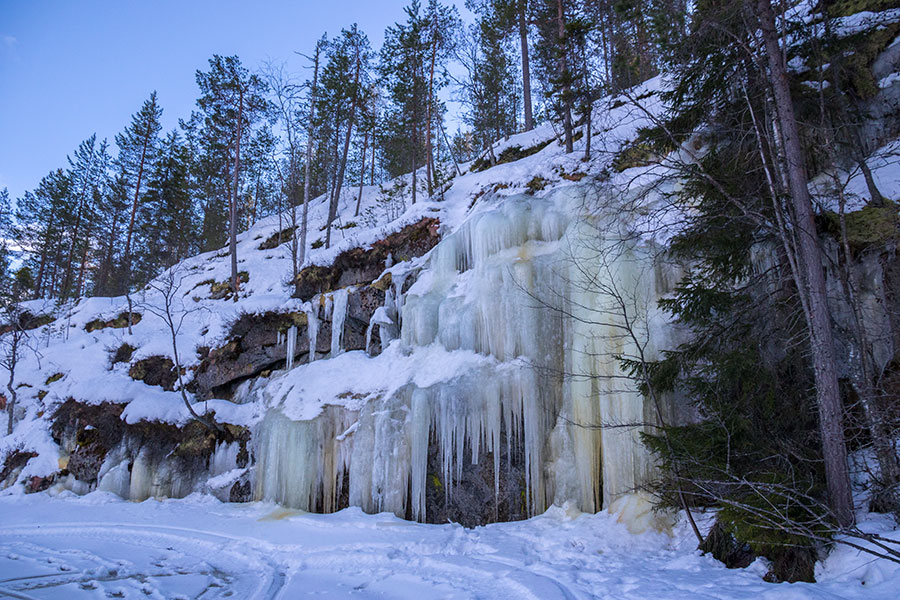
[[163, 298], [13, 342], [18, 324]]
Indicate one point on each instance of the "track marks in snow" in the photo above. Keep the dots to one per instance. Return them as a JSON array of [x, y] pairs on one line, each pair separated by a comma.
[[125, 561], [148, 561]]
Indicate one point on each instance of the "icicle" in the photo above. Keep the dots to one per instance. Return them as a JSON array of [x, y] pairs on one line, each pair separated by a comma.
[[312, 329], [291, 347], [338, 315]]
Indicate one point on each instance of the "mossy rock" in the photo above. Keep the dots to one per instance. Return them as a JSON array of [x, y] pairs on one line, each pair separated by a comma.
[[269, 321], [27, 322], [508, 155], [363, 265], [383, 284], [845, 8], [870, 227], [155, 370], [536, 184], [54, 377], [13, 462], [96, 429], [638, 154], [221, 290], [119, 322], [35, 321]]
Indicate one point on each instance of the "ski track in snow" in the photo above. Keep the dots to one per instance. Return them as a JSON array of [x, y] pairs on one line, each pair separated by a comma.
[[97, 546]]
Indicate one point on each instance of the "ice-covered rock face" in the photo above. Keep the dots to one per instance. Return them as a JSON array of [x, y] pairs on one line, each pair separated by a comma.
[[553, 299]]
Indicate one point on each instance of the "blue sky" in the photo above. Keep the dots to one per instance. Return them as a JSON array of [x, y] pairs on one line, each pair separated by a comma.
[[72, 68]]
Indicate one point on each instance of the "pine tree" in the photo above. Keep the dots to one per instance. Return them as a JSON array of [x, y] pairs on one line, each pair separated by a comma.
[[554, 57], [168, 216], [231, 101], [345, 78], [137, 151], [87, 178], [404, 76], [6, 234], [39, 217], [491, 92]]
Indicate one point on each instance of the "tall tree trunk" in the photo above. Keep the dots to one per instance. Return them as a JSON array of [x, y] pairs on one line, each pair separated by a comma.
[[834, 449], [414, 166], [526, 68], [134, 204], [310, 134], [232, 230], [67, 278], [362, 173], [374, 146], [339, 182], [12, 359], [449, 150], [79, 288], [429, 157], [567, 108]]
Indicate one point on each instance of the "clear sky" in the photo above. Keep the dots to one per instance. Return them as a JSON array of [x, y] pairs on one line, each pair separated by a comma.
[[69, 68]]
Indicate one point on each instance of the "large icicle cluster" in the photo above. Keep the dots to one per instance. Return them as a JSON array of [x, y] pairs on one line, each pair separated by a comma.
[[544, 293]]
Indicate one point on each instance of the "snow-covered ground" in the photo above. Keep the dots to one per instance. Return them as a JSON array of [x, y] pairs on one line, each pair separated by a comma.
[[99, 546]]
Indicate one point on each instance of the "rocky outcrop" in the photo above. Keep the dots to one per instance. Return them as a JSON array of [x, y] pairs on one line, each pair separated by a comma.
[[470, 501], [155, 370], [253, 348], [93, 439], [365, 265]]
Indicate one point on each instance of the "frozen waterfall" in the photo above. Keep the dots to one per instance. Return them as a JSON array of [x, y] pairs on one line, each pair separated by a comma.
[[546, 292]]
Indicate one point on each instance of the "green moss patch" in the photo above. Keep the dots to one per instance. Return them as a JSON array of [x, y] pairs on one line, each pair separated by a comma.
[[536, 184], [119, 322], [869, 227], [221, 290]]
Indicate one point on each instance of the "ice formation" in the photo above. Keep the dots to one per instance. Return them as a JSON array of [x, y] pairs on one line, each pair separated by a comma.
[[291, 347], [555, 296], [338, 316]]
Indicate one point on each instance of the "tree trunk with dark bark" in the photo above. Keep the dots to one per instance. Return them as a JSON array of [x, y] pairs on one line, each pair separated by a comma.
[[834, 448], [232, 231]]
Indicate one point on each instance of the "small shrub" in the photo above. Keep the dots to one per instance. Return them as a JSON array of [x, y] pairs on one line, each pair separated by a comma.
[[278, 238], [317, 244], [536, 184], [122, 354]]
